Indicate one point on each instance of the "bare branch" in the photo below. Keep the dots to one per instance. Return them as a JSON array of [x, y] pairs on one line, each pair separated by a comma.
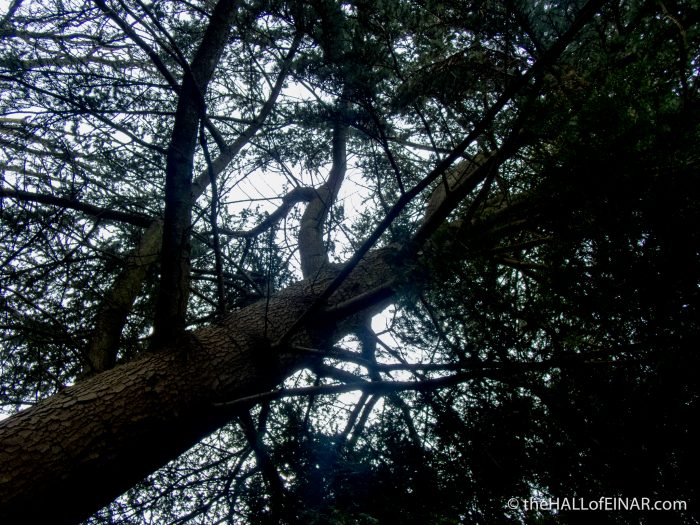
[[142, 221], [128, 30], [297, 195]]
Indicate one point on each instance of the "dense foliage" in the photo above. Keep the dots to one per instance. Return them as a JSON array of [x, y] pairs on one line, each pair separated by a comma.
[[559, 298]]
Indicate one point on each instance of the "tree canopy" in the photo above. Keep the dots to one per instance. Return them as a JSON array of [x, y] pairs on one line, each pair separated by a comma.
[[394, 261]]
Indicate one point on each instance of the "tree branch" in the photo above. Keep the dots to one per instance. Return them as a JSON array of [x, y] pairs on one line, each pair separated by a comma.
[[515, 86], [150, 52], [97, 212], [213, 221], [117, 302], [228, 153], [312, 249], [267, 467], [127, 286], [497, 371], [297, 195]]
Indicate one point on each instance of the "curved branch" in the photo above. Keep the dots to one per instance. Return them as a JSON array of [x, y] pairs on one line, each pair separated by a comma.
[[312, 249], [297, 195]]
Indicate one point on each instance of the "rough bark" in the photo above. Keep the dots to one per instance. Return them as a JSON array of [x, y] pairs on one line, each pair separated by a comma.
[[75, 452]]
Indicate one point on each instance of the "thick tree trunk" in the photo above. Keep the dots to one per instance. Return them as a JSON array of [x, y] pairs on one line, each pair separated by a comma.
[[68, 456], [65, 458]]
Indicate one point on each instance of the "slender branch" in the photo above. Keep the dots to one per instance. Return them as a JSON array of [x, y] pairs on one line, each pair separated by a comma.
[[97, 212], [385, 146], [228, 153], [332, 353], [129, 31], [180, 57], [343, 376], [352, 419], [213, 219], [494, 371], [5, 22], [520, 245], [82, 108], [515, 263], [362, 422], [267, 467]]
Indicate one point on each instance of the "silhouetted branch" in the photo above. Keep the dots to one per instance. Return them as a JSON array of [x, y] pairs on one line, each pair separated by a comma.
[[297, 195], [97, 212]]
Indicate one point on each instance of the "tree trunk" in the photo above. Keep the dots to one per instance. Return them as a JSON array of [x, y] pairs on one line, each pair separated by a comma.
[[68, 456], [173, 293]]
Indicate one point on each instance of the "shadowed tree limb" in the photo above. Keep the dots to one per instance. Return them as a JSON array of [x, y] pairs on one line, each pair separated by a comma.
[[116, 305], [213, 222], [274, 482], [97, 212], [173, 294], [297, 195]]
